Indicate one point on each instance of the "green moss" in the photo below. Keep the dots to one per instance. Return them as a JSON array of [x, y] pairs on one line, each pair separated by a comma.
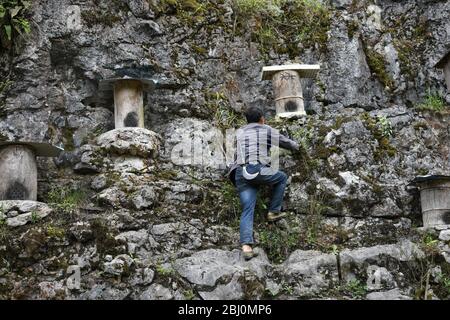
[[422, 172], [377, 65], [199, 50], [373, 183], [322, 152], [194, 13], [97, 17], [69, 143], [340, 120], [384, 146], [323, 130], [352, 28], [105, 241], [420, 125], [166, 174], [287, 27], [55, 232], [408, 43]]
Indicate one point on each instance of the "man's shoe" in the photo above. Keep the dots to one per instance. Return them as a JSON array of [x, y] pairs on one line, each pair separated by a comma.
[[249, 254], [275, 216]]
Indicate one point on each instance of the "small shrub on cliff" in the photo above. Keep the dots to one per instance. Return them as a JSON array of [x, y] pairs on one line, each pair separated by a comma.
[[432, 102], [355, 288], [385, 126], [163, 271], [284, 26], [189, 294], [55, 232], [35, 218], [271, 7], [278, 243], [65, 199], [304, 136], [12, 21]]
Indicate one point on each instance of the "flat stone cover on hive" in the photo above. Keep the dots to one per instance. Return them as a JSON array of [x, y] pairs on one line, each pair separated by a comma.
[[427, 178], [41, 149], [108, 84], [304, 70]]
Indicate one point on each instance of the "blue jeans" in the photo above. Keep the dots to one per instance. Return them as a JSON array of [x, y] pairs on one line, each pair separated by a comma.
[[248, 190]]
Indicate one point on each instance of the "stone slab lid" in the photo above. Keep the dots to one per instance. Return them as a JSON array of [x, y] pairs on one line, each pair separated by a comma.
[[428, 178], [443, 61], [41, 149], [108, 84], [304, 70]]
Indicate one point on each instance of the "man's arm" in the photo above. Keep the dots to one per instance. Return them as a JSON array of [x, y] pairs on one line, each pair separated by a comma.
[[283, 141], [289, 144]]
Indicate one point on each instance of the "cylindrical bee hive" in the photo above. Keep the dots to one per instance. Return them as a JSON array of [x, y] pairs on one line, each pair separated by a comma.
[[18, 170], [435, 202], [288, 93], [128, 104]]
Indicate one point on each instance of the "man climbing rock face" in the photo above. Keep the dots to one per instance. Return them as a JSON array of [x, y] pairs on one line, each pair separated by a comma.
[[252, 169]]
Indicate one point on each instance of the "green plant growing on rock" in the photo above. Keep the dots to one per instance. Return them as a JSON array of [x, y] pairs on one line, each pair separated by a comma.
[[4, 85], [287, 288], [352, 27], [189, 294], [355, 288], [229, 208], [278, 243], [420, 269], [35, 218], [251, 7], [206, 14], [163, 271], [55, 232], [314, 217], [303, 135], [410, 34], [65, 199], [445, 281], [384, 147], [224, 116], [385, 126], [429, 244], [284, 26], [13, 21], [432, 102]]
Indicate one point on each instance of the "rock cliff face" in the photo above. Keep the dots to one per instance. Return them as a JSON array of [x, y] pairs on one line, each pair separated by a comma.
[[127, 218]]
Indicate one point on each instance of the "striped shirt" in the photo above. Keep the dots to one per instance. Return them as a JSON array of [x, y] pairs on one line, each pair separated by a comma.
[[253, 144]]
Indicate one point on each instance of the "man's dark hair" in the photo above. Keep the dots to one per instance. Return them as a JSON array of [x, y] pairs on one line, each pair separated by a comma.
[[253, 114]]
